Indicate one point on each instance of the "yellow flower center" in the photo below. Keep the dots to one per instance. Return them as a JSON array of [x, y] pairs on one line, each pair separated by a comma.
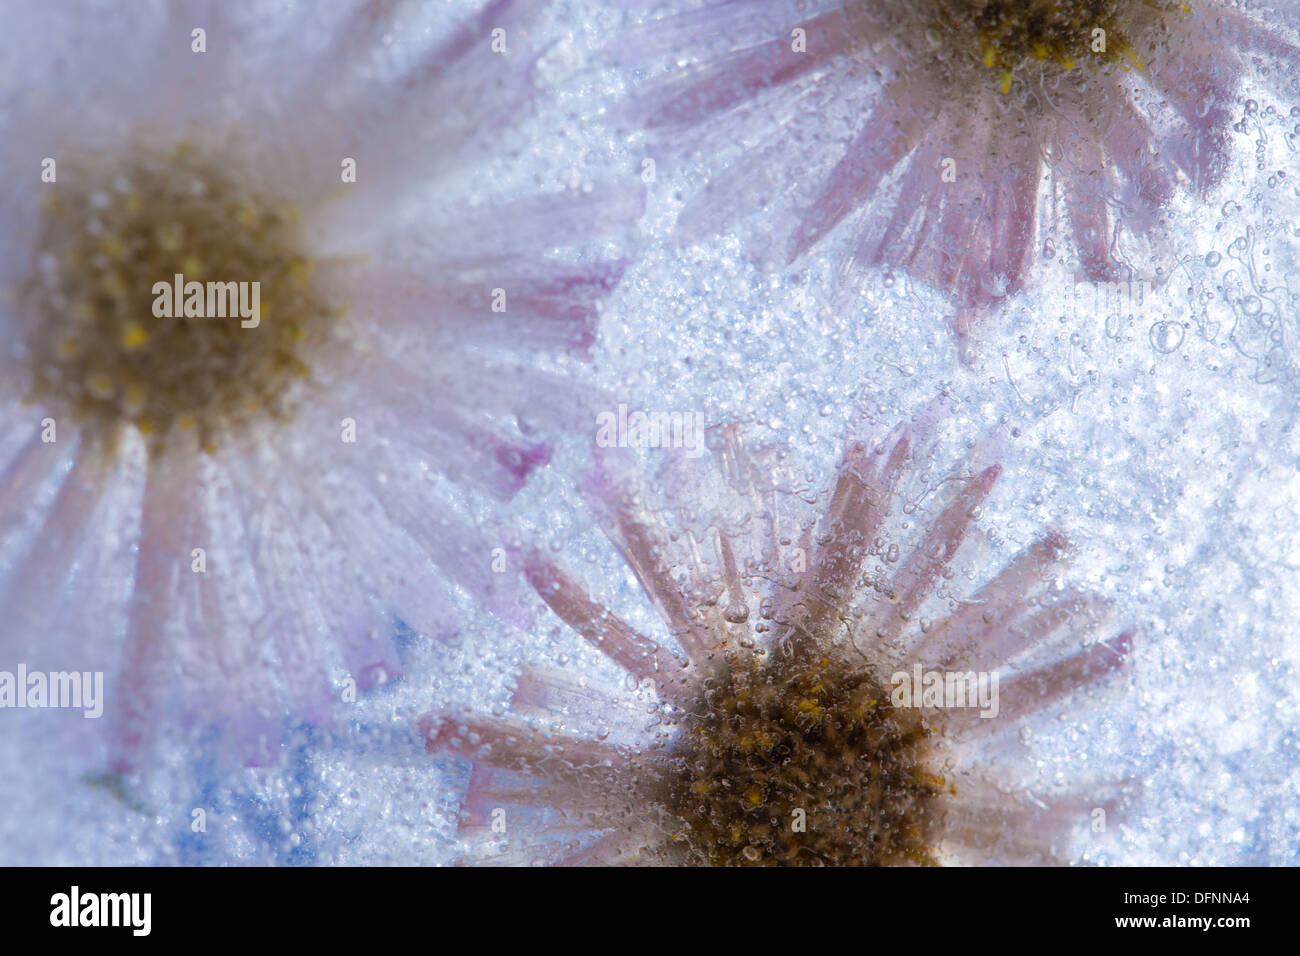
[[1009, 35]]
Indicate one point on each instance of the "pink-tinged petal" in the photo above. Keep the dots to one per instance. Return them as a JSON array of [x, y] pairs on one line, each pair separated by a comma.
[[385, 560], [916, 580], [741, 74], [453, 95], [614, 849], [505, 234], [295, 628], [970, 238], [1264, 38], [163, 554], [450, 542], [1076, 610], [911, 224], [731, 571], [549, 306], [857, 509], [364, 30], [613, 637], [972, 844], [642, 549], [369, 653], [1071, 616], [1088, 187], [221, 681], [100, 580], [25, 474], [865, 483], [1202, 93], [986, 801], [343, 614], [560, 310], [718, 25], [1090, 219], [16, 432], [473, 35], [469, 447], [510, 746], [754, 181], [350, 617], [542, 396], [1014, 210], [890, 134], [31, 590], [549, 693], [992, 606], [998, 820], [1129, 142], [571, 293], [253, 739], [492, 790], [1028, 692]]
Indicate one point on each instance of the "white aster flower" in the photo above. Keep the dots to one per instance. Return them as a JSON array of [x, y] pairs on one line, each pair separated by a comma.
[[254, 325]]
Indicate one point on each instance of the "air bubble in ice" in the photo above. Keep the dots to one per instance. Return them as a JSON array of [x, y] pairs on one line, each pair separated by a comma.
[[737, 613], [1166, 336]]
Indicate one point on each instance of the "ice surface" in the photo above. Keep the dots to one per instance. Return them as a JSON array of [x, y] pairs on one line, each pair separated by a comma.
[[1159, 428]]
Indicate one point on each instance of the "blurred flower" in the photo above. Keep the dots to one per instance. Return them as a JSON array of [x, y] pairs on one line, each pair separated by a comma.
[[223, 508], [928, 124], [811, 715]]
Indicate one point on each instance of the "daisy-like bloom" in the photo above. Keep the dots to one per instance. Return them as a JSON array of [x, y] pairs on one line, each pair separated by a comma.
[[260, 318], [928, 128], [814, 712]]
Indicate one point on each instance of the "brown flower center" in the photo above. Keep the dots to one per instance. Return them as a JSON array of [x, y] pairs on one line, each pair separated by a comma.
[[803, 765], [116, 338]]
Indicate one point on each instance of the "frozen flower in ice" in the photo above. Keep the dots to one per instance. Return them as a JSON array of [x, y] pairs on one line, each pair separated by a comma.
[[926, 126], [262, 311], [839, 697]]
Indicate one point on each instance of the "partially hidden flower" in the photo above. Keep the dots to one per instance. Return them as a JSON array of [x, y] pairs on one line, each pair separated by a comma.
[[828, 690], [924, 133], [263, 319]]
